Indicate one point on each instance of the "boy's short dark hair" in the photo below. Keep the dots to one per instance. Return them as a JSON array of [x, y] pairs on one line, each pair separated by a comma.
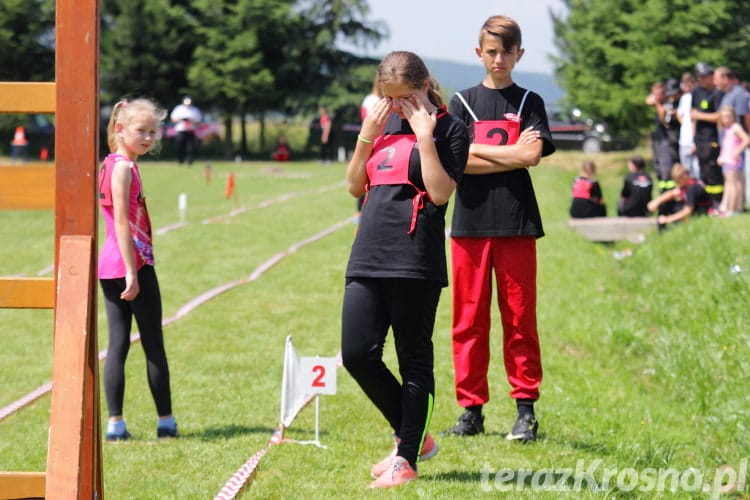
[[504, 28], [638, 161]]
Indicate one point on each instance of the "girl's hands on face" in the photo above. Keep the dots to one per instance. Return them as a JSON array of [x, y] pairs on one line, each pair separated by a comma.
[[414, 109], [376, 120]]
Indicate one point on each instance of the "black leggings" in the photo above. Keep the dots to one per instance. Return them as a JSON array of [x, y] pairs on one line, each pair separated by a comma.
[[371, 306], [146, 308]]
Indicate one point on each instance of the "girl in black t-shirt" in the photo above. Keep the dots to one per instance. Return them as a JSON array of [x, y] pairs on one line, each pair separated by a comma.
[[409, 157], [587, 194]]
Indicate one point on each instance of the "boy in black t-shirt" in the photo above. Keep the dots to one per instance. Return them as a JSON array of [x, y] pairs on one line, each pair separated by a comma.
[[496, 222], [690, 193], [636, 189]]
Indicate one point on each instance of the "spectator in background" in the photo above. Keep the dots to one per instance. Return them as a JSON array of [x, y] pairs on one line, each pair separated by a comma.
[[706, 102], [587, 194], [370, 100], [734, 141], [368, 104], [636, 189], [689, 192], [737, 96], [282, 149], [186, 118], [326, 145], [665, 136], [686, 143]]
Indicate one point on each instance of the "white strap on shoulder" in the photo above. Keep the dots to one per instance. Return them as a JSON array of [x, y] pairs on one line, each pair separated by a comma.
[[466, 105], [523, 101]]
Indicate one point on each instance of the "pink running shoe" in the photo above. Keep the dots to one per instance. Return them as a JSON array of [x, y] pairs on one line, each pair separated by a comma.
[[399, 472], [429, 450]]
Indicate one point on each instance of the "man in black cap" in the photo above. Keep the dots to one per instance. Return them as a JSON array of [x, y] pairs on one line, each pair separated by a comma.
[[706, 101]]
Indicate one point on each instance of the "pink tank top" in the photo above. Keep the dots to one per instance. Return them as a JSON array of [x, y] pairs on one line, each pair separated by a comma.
[[730, 147], [111, 264]]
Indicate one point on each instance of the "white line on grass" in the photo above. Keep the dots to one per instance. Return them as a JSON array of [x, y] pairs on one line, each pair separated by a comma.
[[187, 308]]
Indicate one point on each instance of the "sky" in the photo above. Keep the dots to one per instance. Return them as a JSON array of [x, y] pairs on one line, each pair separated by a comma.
[[448, 29]]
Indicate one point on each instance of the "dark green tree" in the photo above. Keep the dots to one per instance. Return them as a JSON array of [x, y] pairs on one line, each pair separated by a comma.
[[146, 49], [612, 50], [257, 56], [27, 44]]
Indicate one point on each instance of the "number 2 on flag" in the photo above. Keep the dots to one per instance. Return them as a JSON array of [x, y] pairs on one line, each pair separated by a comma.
[[320, 374]]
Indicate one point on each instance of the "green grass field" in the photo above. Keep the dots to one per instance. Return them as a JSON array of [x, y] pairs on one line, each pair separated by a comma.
[[645, 357]]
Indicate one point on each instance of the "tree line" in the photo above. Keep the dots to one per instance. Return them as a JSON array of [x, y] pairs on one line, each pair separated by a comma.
[[236, 57], [241, 57], [611, 51]]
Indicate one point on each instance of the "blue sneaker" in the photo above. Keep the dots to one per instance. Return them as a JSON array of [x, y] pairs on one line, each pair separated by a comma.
[[116, 431]]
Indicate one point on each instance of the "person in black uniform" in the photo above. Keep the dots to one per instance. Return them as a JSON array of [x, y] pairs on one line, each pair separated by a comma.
[[706, 102], [586, 192], [409, 157], [636, 189]]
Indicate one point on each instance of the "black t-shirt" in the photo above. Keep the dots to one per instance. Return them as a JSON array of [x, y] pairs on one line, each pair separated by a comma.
[[707, 101], [383, 247], [636, 193], [501, 204], [587, 196], [694, 195]]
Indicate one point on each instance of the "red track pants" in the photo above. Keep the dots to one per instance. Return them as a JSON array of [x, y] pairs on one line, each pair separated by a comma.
[[514, 262]]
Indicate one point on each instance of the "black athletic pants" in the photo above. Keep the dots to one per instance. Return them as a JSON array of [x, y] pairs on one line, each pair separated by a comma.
[[146, 308], [186, 147], [408, 306]]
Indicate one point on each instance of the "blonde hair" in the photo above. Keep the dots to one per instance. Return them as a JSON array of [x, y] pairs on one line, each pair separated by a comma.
[[503, 27], [728, 108], [588, 168], [678, 170], [408, 68], [124, 111]]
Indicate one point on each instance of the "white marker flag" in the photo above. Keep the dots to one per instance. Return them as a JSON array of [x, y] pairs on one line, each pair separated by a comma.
[[302, 379]]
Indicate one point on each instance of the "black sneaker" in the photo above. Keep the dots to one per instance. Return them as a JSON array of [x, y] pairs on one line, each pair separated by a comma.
[[167, 432], [469, 424], [524, 429]]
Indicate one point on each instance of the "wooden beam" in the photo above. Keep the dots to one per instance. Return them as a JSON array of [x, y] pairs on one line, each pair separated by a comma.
[[27, 97], [27, 293], [27, 187], [76, 117], [14, 485], [74, 434]]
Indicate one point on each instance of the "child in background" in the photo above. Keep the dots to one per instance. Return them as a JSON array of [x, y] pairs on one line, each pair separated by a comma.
[[734, 140], [282, 150], [689, 193], [126, 264], [636, 189], [587, 194]]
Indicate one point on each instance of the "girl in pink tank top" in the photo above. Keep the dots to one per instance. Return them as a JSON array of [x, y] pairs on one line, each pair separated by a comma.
[[734, 141], [126, 264]]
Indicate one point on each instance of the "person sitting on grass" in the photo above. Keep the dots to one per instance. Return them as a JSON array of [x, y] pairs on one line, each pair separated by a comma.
[[587, 194], [282, 150], [691, 193], [636, 189]]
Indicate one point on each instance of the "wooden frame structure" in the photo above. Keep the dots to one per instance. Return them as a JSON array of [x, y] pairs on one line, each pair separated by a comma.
[[74, 461]]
